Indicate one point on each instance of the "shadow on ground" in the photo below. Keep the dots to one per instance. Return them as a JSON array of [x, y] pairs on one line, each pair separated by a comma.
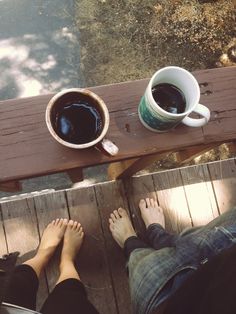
[[38, 47]]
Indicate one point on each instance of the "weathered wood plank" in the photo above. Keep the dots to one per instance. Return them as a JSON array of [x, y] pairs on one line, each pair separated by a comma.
[[48, 207], [12, 186], [92, 262], [171, 196], [185, 156], [28, 150], [126, 168], [116, 169], [138, 188], [76, 175], [3, 244], [223, 176], [199, 194], [109, 197], [22, 235]]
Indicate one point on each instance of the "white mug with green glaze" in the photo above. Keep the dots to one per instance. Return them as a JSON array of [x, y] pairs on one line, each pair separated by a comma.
[[156, 119]]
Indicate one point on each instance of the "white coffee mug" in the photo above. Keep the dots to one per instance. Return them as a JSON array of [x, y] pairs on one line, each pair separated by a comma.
[[157, 119]]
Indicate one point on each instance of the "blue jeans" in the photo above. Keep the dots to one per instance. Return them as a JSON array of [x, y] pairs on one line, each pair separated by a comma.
[[159, 267]]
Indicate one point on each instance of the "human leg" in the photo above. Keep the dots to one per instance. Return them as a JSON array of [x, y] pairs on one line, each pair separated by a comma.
[[69, 295], [23, 285], [214, 237], [123, 232], [154, 220]]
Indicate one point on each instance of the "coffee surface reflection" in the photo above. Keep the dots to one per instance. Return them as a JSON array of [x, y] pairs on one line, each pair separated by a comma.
[[78, 122], [169, 97]]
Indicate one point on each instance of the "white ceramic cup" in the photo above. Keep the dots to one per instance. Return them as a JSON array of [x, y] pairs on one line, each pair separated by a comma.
[[157, 119], [71, 95]]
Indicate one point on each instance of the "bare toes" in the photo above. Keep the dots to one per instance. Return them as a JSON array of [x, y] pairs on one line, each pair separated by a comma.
[[148, 202], [142, 204], [70, 224], [60, 222], [75, 225], [57, 222], [113, 217], [152, 202], [122, 212], [115, 212], [52, 223], [78, 227], [155, 203]]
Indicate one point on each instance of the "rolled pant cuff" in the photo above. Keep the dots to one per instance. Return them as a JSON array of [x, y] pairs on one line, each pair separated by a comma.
[[133, 243]]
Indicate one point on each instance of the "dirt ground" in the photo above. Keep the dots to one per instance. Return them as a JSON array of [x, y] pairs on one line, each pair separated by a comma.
[[130, 39]]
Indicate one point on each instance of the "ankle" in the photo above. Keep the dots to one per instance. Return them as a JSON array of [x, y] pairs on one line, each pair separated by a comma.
[[43, 254], [66, 260]]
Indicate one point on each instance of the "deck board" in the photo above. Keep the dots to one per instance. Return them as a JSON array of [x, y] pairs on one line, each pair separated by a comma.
[[3, 243], [92, 262], [189, 196], [137, 188], [172, 198], [49, 207], [223, 177], [111, 196], [22, 235], [199, 194]]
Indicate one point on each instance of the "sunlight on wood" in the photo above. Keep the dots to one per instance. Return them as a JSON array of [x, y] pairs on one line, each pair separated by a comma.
[[20, 236], [175, 208], [201, 201], [224, 194]]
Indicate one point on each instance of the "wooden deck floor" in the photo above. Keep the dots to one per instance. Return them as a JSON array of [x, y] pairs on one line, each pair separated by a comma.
[[190, 196]]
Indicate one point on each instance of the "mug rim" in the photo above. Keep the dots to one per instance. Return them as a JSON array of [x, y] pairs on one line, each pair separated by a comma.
[[176, 115], [88, 93]]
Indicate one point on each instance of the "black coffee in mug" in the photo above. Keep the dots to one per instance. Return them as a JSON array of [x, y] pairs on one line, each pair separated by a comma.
[[78, 122], [169, 97]]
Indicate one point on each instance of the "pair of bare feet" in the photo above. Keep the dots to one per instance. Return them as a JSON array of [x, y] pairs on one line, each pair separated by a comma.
[[120, 223], [71, 233]]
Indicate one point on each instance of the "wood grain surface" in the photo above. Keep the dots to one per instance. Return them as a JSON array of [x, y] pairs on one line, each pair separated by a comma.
[[223, 176], [189, 196], [92, 262], [111, 196], [28, 150], [22, 235]]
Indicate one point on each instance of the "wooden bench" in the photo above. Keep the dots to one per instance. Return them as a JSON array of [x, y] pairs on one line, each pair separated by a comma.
[[101, 263], [28, 150]]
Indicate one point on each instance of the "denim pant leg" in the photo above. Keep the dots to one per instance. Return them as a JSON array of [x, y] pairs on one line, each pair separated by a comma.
[[159, 238], [214, 237], [131, 244]]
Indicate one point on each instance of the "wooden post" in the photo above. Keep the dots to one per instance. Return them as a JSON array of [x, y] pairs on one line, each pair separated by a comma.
[[187, 155], [76, 175], [232, 147], [11, 186], [125, 169]]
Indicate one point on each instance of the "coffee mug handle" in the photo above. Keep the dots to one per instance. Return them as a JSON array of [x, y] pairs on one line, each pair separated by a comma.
[[202, 111], [106, 146]]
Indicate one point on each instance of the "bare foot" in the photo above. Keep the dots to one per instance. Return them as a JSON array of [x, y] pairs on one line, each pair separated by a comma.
[[51, 237], [151, 212], [73, 239], [121, 226]]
